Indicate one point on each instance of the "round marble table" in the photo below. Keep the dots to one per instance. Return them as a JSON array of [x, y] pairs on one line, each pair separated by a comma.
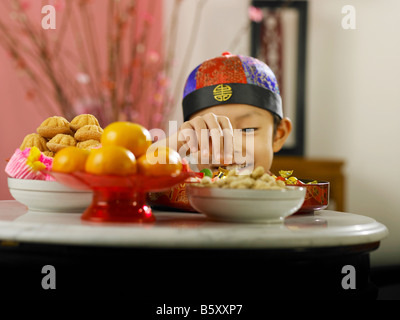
[[185, 255]]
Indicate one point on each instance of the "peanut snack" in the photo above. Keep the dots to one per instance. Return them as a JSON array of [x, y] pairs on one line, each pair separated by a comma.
[[258, 179]]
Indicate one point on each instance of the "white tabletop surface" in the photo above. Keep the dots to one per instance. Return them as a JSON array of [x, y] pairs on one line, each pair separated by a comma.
[[186, 230]]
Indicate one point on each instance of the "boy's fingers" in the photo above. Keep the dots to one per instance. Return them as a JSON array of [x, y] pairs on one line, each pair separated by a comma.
[[199, 131], [188, 134], [228, 138], [216, 135], [200, 127]]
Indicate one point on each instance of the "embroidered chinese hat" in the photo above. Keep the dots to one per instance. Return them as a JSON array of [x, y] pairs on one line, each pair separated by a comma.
[[231, 79]]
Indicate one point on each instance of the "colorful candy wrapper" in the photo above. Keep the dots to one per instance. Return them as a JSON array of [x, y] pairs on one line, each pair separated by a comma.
[[286, 176], [292, 180], [285, 173], [221, 173], [29, 164]]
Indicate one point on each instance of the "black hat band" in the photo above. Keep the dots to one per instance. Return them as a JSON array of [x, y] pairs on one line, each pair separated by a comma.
[[229, 93]]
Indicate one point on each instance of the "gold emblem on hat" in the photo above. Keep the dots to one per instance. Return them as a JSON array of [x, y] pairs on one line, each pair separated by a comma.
[[222, 92]]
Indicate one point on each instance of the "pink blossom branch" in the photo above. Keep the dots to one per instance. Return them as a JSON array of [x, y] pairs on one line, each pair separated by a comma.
[[131, 69], [63, 28], [110, 84], [21, 63], [90, 38], [39, 42], [84, 58], [132, 56]]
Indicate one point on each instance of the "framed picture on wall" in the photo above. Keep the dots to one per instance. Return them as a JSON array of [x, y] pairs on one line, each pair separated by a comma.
[[279, 40]]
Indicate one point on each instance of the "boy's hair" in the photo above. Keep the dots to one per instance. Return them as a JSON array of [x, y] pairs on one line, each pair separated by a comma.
[[277, 121], [231, 79]]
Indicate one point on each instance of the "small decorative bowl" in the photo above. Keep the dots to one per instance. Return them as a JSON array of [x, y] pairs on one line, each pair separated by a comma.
[[317, 196], [175, 199]]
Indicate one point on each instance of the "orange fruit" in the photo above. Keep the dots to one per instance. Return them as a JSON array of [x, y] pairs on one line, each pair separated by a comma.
[[70, 159], [160, 161], [113, 160], [131, 136]]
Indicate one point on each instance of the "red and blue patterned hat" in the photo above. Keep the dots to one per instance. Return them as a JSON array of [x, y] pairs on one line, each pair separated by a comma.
[[231, 79]]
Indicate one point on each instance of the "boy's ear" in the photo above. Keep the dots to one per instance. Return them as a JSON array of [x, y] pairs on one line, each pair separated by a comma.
[[282, 132]]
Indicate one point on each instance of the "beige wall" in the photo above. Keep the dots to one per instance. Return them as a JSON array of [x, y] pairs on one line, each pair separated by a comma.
[[353, 106], [353, 95], [223, 22]]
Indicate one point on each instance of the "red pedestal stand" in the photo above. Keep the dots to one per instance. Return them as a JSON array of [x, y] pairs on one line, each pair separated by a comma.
[[119, 198]]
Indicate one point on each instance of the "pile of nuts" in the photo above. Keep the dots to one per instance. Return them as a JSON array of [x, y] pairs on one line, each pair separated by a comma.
[[257, 179]]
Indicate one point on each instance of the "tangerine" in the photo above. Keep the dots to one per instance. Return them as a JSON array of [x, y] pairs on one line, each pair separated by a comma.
[[160, 161], [131, 136], [114, 160], [70, 159]]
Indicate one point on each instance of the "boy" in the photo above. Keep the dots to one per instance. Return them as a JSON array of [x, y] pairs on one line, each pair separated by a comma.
[[232, 107]]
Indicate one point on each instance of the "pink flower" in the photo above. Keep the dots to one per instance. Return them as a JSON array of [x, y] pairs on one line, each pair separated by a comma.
[[255, 14], [147, 17], [153, 56], [157, 117], [158, 97], [82, 78], [25, 4], [163, 80], [59, 5]]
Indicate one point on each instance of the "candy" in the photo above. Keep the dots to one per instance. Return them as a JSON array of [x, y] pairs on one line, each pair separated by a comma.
[[29, 164], [185, 165], [291, 180], [221, 173], [285, 175], [207, 172]]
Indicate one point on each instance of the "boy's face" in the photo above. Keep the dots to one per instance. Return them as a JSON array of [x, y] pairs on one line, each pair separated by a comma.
[[256, 125]]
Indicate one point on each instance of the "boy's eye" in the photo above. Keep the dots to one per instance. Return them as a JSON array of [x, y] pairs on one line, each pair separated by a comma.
[[248, 130]]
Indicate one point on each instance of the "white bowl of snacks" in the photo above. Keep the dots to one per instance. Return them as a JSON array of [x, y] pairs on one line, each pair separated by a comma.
[[246, 198], [49, 196]]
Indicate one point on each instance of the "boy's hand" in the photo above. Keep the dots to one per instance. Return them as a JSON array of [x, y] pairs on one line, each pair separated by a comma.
[[209, 135]]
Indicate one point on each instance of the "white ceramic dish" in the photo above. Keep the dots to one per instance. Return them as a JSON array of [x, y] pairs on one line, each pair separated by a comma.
[[246, 205], [49, 196]]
